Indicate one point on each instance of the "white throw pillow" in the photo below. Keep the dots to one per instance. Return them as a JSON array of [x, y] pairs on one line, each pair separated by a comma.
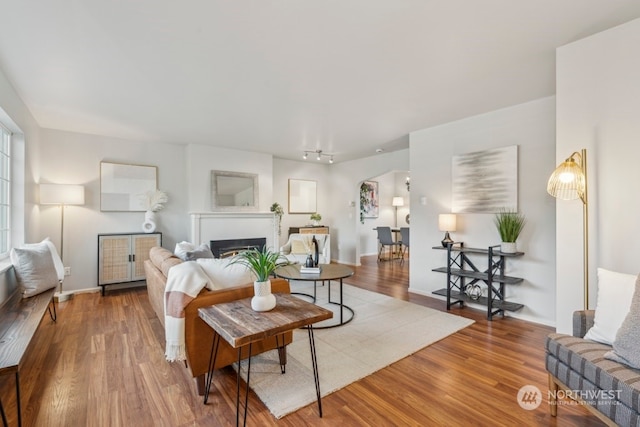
[[222, 274], [615, 291], [34, 269], [182, 248], [57, 262]]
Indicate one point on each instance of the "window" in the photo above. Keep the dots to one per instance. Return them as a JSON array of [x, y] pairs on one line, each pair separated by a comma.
[[5, 194]]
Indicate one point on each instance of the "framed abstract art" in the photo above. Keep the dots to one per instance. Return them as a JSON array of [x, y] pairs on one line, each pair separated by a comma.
[[369, 200]]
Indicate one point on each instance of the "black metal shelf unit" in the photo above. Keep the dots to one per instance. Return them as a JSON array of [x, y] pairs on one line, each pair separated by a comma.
[[460, 267]]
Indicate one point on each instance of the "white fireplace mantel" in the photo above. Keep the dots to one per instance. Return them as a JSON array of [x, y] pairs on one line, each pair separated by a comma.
[[207, 226]]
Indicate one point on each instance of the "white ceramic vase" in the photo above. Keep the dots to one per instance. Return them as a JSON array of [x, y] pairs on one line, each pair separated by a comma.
[[149, 224], [508, 247], [263, 299]]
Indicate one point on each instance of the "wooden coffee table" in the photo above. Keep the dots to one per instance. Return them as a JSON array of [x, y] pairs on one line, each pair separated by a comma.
[[238, 324], [328, 272]]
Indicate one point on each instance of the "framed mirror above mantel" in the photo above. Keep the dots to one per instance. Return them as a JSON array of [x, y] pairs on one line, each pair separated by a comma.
[[234, 191]]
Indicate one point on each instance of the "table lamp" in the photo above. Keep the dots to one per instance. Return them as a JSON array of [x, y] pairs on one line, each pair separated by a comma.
[[447, 223]]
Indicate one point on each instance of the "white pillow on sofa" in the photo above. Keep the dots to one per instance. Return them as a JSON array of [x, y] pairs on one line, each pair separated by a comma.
[[615, 292], [35, 269], [182, 248], [222, 274]]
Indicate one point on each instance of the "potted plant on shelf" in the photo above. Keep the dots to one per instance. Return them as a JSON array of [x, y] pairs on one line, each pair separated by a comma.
[[261, 263], [509, 224], [316, 217]]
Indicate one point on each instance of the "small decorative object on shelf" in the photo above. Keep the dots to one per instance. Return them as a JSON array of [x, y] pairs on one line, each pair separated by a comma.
[[153, 201], [316, 217], [509, 225], [261, 263], [473, 291], [278, 211]]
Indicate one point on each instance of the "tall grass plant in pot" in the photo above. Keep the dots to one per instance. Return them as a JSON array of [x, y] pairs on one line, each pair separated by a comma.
[[509, 225], [261, 263]]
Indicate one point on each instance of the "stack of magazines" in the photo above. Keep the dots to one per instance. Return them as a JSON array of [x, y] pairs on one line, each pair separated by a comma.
[[309, 270]]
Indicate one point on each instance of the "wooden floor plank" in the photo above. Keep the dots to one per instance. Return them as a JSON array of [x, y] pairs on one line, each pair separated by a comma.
[[103, 363]]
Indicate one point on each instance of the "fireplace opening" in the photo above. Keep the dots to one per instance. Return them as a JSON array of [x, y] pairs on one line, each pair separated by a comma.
[[230, 247]]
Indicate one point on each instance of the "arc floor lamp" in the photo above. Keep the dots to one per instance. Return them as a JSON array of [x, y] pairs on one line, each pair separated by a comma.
[[569, 182]]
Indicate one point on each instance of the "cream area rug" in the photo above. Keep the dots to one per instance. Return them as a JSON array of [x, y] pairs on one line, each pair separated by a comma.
[[383, 331]]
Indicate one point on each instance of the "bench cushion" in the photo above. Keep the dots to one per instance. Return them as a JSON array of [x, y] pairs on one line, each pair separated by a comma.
[[580, 364]]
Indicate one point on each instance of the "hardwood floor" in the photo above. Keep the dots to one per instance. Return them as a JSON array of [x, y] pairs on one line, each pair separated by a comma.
[[102, 364]]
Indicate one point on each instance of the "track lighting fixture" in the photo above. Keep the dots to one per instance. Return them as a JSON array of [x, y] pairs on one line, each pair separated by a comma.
[[319, 154]]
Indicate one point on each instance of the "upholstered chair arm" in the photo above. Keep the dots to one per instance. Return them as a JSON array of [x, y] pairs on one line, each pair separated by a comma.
[[582, 322], [326, 249], [286, 248]]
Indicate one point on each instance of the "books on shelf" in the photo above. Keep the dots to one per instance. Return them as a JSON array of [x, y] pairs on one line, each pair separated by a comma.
[[309, 270]]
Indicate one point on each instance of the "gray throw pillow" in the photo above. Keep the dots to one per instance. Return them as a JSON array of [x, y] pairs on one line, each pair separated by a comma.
[[202, 251], [626, 347]]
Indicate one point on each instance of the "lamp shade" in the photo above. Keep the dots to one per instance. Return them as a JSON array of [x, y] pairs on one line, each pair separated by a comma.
[[397, 201], [567, 182], [447, 222], [61, 194]]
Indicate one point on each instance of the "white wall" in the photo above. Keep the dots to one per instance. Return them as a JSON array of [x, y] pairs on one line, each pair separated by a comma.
[[202, 159], [598, 106], [15, 115], [530, 126], [183, 172], [345, 183], [26, 133], [338, 189], [312, 170], [72, 158], [390, 184]]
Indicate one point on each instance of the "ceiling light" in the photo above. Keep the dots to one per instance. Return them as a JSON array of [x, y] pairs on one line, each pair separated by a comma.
[[319, 154]]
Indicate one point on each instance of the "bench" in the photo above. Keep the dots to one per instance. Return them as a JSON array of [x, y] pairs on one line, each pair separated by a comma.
[[19, 320]]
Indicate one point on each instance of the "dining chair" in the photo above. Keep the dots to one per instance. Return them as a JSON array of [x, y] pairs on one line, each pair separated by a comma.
[[404, 240], [385, 240]]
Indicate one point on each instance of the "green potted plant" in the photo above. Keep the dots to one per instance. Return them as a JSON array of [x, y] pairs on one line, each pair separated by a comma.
[[278, 211], [509, 225], [261, 263], [316, 217]]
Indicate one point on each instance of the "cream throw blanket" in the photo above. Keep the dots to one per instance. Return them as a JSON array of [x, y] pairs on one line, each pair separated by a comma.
[[184, 283]]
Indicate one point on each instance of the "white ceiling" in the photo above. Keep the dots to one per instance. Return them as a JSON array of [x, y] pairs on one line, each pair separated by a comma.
[[283, 76]]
